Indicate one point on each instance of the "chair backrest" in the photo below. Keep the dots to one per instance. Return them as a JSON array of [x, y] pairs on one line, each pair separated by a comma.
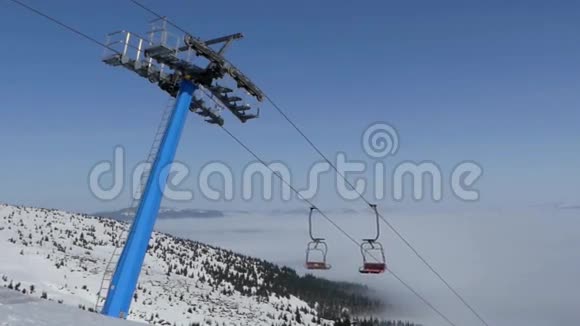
[[319, 260]]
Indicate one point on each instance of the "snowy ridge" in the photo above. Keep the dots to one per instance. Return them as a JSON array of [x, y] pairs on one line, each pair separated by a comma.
[[61, 256]]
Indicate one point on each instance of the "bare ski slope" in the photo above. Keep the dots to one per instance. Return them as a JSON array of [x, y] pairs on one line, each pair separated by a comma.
[[17, 309]]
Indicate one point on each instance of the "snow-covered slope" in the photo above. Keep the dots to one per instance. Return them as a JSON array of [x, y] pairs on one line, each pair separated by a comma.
[[17, 309], [61, 256]]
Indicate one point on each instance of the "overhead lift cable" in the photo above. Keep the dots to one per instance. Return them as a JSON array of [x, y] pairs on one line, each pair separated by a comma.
[[60, 23]]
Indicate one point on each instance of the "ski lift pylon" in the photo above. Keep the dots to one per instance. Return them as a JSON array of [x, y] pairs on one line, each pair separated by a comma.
[[372, 251], [316, 245]]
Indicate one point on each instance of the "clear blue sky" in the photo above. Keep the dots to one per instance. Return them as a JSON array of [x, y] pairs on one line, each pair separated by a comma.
[[492, 82]]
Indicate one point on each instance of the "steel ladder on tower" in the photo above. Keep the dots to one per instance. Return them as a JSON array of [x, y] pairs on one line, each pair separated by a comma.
[[116, 255]]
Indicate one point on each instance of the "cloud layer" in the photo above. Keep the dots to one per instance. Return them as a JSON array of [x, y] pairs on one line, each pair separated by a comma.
[[516, 268]]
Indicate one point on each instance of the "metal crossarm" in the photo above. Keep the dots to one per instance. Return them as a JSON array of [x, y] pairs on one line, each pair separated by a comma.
[[165, 65], [201, 48]]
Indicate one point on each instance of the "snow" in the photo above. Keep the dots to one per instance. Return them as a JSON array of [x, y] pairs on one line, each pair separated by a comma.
[[17, 309], [64, 255]]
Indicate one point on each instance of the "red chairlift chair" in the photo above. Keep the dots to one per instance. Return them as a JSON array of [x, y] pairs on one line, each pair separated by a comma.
[[316, 245], [372, 252]]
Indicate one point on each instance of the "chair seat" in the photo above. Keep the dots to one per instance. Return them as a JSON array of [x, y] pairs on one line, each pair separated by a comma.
[[373, 268], [317, 265]]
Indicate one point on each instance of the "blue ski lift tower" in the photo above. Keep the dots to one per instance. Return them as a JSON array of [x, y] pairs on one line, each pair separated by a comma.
[[167, 60]]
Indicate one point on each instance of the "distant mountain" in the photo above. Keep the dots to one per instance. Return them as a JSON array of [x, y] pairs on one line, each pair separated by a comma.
[[166, 213], [569, 207], [303, 211], [127, 214]]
